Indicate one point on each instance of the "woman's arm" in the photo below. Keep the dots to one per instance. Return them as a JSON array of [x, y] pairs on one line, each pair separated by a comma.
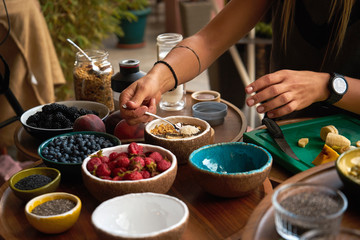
[[285, 91], [236, 19]]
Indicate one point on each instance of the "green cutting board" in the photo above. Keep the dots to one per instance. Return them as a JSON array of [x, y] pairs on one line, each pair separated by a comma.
[[348, 126]]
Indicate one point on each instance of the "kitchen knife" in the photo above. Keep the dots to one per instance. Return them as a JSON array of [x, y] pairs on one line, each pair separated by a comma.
[[278, 136]]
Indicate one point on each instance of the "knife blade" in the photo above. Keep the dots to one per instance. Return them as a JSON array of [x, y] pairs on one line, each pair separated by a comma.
[[278, 136]]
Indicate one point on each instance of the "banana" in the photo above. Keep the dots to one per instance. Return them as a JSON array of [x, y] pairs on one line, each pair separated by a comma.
[[302, 142], [337, 141], [327, 129]]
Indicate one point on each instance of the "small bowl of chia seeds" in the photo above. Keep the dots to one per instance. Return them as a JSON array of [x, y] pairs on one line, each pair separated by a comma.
[[66, 152], [302, 207], [29, 183], [53, 213]]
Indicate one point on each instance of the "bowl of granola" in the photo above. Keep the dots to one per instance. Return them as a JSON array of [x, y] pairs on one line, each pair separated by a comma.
[[193, 134]]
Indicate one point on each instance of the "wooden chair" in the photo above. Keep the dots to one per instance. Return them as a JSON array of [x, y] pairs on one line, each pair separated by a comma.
[[4, 89]]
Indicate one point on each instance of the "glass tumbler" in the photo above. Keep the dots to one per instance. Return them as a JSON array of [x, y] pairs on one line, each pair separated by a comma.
[[301, 207], [173, 100]]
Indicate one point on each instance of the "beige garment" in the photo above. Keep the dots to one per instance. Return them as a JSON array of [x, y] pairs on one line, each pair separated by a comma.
[[30, 53]]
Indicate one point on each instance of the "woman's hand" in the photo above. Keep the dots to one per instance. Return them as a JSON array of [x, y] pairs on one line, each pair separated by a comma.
[[138, 98], [285, 91]]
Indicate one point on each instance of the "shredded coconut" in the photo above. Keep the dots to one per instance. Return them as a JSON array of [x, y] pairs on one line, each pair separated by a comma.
[[189, 130]]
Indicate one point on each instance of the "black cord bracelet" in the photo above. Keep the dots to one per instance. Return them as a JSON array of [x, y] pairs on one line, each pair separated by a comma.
[[172, 71]]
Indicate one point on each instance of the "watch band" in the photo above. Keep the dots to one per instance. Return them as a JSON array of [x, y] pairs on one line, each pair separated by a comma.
[[334, 95]]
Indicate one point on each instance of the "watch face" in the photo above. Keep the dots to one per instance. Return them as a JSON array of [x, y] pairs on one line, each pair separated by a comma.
[[339, 85]]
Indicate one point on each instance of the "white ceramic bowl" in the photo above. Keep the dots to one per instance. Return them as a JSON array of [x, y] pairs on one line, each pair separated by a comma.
[[103, 189], [44, 133], [147, 216]]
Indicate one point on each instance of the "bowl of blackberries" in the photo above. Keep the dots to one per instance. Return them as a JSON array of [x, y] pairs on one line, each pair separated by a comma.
[[48, 120], [67, 151]]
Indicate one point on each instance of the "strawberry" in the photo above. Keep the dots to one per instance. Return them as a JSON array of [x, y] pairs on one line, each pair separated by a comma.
[[112, 164], [92, 164], [135, 149], [137, 163], [104, 159], [150, 164], [118, 178], [122, 161], [135, 175], [103, 170], [156, 156], [106, 177], [163, 165], [145, 174], [113, 155], [118, 171]]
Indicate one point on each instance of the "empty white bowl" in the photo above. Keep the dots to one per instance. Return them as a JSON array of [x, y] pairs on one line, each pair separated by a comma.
[[141, 216]]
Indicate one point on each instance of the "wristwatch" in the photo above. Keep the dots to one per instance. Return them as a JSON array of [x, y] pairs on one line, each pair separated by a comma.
[[337, 87]]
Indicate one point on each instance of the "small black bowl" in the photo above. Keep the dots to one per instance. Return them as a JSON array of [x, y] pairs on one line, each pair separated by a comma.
[[68, 168]]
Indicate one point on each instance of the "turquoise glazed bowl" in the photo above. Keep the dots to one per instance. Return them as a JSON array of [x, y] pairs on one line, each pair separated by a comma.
[[231, 169]]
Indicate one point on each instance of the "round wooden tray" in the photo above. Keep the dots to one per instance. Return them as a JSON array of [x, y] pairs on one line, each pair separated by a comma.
[[211, 217], [261, 223], [231, 130]]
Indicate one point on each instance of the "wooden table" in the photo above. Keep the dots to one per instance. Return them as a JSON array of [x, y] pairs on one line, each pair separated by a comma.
[[261, 224], [210, 217], [231, 130]]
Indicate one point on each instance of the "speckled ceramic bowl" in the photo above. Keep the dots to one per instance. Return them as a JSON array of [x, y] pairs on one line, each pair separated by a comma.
[[53, 223], [230, 169], [128, 217], [103, 189], [182, 147], [343, 164], [26, 195], [44, 133]]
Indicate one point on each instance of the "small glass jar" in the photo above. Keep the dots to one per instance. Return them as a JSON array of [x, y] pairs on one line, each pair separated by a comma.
[[173, 100], [92, 79]]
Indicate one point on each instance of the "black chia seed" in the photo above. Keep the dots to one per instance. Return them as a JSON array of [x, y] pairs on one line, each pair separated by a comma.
[[311, 204], [32, 182], [54, 207]]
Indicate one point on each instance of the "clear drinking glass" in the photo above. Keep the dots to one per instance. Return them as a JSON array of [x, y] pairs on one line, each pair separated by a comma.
[[301, 207], [342, 234], [173, 100]]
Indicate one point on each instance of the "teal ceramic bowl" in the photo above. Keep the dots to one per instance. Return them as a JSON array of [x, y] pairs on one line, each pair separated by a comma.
[[70, 167], [26, 195], [230, 169]]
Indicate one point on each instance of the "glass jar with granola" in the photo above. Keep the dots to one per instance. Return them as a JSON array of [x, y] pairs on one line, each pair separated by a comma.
[[92, 79]]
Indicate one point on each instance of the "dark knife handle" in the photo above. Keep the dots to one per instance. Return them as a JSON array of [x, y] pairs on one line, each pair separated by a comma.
[[273, 128]]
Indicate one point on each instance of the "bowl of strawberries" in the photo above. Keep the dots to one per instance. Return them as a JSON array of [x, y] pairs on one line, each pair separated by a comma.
[[130, 168]]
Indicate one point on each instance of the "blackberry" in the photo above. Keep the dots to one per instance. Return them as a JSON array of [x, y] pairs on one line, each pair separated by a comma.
[[51, 108], [56, 116]]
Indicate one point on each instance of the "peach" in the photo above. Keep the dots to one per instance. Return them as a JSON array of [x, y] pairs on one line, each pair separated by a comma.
[[125, 131], [89, 122]]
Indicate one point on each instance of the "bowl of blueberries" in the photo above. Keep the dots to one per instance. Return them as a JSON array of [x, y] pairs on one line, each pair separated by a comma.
[[48, 120], [67, 151]]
